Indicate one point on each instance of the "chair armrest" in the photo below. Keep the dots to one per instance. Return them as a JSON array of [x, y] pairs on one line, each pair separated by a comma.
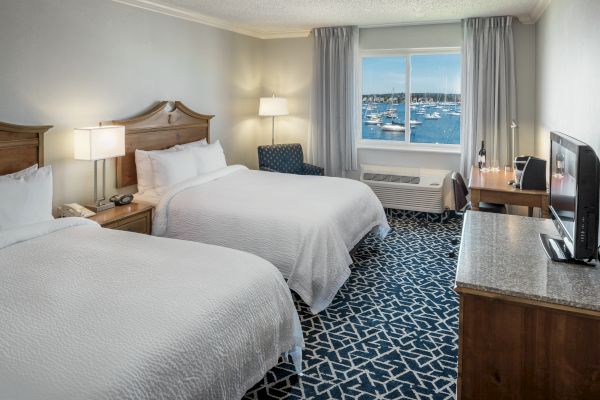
[[309, 169], [268, 169]]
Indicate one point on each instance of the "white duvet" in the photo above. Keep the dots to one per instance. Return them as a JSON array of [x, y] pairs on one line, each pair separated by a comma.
[[305, 225], [91, 313]]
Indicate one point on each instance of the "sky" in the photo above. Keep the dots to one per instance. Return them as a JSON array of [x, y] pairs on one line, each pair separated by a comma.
[[429, 74]]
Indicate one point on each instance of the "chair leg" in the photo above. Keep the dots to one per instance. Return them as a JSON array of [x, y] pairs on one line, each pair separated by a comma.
[[455, 242]]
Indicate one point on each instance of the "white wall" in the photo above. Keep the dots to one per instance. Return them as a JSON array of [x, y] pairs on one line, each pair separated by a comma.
[[287, 72], [568, 60], [72, 63], [524, 41], [288, 68]]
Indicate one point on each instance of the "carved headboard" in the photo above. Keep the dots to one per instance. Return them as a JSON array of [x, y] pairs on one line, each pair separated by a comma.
[[163, 126], [21, 146]]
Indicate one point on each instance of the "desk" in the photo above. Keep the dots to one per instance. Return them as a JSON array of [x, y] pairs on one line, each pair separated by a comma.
[[493, 187], [528, 326]]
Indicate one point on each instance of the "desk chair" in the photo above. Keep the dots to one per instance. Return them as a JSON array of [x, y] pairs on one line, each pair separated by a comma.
[[286, 158], [461, 204]]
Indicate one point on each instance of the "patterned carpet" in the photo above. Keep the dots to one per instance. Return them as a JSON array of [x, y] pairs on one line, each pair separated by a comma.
[[391, 332]]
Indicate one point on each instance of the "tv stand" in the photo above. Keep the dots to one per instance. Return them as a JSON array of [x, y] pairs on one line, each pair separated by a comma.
[[556, 250], [528, 326]]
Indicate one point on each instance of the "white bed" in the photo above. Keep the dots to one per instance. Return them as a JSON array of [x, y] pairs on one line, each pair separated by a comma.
[[93, 313], [305, 225]]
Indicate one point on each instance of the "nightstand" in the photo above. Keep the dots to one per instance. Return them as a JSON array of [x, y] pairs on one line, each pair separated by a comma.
[[134, 217]]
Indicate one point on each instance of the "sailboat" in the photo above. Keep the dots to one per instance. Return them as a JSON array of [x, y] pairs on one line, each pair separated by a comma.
[[434, 115], [393, 127]]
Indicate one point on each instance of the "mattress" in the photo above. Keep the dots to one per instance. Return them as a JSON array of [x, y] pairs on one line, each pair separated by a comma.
[[93, 313], [304, 225]]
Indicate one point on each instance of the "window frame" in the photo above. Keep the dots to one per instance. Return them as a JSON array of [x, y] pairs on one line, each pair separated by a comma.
[[405, 145]]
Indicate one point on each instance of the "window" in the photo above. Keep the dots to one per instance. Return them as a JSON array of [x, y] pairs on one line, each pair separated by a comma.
[[428, 82]]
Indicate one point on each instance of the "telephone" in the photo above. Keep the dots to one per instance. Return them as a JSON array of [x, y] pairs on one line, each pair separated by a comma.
[[121, 199], [74, 210]]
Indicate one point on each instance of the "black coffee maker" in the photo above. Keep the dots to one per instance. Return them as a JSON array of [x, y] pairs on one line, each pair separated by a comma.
[[530, 173]]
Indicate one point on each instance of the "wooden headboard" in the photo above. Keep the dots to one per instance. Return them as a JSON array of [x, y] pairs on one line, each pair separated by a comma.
[[163, 126], [21, 146]]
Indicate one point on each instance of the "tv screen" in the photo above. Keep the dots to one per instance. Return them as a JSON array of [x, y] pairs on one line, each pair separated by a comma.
[[574, 194], [563, 186]]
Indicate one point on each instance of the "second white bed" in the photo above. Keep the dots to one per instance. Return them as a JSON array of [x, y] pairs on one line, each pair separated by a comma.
[[305, 225]]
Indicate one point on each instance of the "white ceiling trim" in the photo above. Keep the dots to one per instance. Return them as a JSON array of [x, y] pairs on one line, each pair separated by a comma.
[[211, 21], [176, 12], [536, 12], [446, 21]]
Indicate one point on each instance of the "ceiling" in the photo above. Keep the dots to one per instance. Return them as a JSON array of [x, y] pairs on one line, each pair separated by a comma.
[[293, 18]]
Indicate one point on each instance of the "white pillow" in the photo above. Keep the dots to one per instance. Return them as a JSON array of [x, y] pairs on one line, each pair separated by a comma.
[[209, 158], [197, 143], [26, 200], [24, 172], [145, 176], [170, 168]]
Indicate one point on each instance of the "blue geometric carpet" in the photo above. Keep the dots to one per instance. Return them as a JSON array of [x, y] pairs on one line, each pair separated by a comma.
[[391, 332]]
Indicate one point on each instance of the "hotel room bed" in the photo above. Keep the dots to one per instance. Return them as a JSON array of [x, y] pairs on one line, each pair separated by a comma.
[[93, 313], [304, 225]]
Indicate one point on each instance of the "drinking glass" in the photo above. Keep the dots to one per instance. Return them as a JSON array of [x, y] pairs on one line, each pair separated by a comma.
[[494, 166]]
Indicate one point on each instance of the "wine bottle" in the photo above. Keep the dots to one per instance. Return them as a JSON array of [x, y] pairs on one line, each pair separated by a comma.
[[481, 156]]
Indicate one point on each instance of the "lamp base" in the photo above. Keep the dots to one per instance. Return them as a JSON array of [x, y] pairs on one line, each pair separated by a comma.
[[100, 206]]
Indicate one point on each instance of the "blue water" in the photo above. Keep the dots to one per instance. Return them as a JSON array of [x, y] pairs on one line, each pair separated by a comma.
[[445, 130]]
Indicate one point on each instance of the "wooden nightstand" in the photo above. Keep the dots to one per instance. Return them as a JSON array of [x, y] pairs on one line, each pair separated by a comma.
[[134, 217]]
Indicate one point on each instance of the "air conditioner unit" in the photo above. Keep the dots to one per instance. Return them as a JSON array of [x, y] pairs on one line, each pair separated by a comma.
[[402, 188]]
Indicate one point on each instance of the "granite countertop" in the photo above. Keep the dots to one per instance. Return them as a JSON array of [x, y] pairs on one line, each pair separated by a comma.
[[503, 254]]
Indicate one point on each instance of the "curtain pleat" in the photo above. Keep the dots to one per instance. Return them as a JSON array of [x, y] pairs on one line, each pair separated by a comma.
[[332, 142], [489, 101]]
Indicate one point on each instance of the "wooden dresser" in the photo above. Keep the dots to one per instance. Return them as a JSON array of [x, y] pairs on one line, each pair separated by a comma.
[[134, 217], [529, 327]]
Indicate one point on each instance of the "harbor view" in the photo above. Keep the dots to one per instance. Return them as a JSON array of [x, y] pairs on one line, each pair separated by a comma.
[[435, 103]]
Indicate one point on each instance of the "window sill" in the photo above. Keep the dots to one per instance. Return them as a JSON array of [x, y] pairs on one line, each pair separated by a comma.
[[421, 148]]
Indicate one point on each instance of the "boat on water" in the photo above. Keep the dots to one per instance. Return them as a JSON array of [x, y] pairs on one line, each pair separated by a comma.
[[455, 113], [373, 121], [413, 122], [434, 115], [393, 127]]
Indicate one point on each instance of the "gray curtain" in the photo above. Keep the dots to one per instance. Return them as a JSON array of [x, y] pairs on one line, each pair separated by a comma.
[[488, 90], [332, 143]]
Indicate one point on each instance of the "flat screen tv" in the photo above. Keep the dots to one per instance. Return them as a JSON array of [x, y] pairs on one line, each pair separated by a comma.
[[574, 195]]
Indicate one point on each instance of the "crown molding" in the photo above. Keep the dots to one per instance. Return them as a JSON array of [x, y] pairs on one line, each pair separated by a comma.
[[154, 6], [535, 13], [159, 8], [411, 23]]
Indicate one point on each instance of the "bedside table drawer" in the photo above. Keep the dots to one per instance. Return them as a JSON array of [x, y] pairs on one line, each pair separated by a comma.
[[132, 218], [138, 224]]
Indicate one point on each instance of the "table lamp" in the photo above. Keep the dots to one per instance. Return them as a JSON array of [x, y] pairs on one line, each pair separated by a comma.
[[273, 107], [95, 144]]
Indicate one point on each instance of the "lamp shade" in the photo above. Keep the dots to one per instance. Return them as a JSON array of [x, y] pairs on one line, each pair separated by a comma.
[[273, 106], [99, 143]]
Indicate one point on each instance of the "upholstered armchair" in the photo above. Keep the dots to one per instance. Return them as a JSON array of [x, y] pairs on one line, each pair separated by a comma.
[[286, 158]]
